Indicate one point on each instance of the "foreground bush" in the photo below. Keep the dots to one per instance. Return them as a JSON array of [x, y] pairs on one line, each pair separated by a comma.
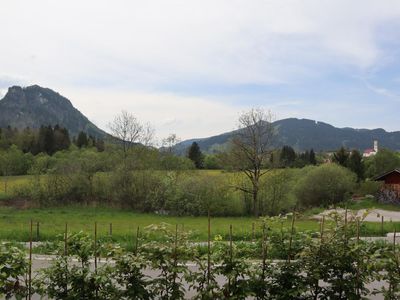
[[13, 272], [331, 264], [325, 185]]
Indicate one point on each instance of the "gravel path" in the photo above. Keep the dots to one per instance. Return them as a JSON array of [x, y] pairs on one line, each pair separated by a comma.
[[374, 215]]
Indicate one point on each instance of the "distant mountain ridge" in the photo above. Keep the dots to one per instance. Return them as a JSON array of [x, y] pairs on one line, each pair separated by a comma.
[[304, 134], [34, 106]]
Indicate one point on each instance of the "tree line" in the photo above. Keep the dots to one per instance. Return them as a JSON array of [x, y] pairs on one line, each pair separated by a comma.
[[254, 177], [46, 139]]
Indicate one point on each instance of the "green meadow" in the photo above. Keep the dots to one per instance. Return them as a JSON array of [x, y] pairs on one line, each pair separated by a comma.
[[15, 224]]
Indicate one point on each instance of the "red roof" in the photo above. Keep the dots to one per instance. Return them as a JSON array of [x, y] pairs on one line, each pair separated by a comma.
[[390, 177], [369, 151]]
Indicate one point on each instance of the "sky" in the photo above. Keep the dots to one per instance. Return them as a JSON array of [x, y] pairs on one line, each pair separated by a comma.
[[191, 67]]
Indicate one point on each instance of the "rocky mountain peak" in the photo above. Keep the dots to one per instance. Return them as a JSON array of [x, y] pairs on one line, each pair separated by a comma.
[[34, 106]]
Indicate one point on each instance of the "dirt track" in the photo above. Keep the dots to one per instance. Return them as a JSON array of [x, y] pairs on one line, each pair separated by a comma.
[[374, 215]]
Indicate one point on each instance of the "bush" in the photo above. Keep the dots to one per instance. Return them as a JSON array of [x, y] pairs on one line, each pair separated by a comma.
[[384, 161], [276, 195], [195, 195], [368, 188], [13, 270], [325, 185]]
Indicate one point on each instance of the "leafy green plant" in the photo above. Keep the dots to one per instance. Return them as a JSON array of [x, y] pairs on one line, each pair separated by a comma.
[[13, 270], [65, 279], [170, 258], [204, 281], [234, 269], [129, 276], [389, 271]]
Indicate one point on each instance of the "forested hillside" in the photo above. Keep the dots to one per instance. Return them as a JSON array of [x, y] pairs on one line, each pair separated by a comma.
[[34, 106], [303, 134]]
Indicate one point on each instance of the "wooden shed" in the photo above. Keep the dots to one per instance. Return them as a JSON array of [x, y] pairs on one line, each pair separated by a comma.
[[391, 182]]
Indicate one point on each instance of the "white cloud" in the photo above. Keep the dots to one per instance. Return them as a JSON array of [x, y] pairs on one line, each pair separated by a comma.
[[148, 42], [382, 91], [188, 117], [123, 54]]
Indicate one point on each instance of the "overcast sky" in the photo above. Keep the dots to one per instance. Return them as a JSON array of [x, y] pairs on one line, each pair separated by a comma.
[[190, 67]]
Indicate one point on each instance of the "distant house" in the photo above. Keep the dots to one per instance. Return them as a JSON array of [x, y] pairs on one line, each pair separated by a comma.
[[371, 152], [391, 188]]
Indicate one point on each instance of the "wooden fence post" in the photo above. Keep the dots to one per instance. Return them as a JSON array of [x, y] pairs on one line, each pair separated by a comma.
[[252, 232], [176, 245], [209, 249], [394, 240], [322, 228], [264, 252], [66, 254], [95, 247], [66, 240], [37, 231], [230, 256], [291, 236], [137, 241], [111, 230], [30, 263]]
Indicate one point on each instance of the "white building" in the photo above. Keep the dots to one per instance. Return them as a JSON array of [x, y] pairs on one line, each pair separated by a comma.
[[371, 152]]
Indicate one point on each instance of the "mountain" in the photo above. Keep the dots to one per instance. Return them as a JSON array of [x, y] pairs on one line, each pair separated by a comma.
[[304, 134], [34, 106]]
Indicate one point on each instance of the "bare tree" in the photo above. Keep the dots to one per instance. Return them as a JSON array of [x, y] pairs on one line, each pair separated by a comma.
[[169, 142], [130, 131], [251, 148]]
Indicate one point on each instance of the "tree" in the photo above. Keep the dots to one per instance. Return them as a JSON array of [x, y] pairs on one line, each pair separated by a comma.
[[211, 162], [195, 155], [82, 140], [312, 158], [384, 161], [250, 150], [279, 198], [46, 140], [100, 146], [341, 157], [128, 130], [287, 156], [134, 137], [14, 162], [61, 138], [26, 140], [169, 142], [355, 164]]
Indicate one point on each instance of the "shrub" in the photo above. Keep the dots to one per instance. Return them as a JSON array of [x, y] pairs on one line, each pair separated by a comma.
[[368, 188], [13, 270], [325, 185], [276, 195]]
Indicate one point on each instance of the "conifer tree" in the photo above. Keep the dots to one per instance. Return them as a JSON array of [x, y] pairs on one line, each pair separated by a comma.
[[341, 157], [82, 140], [288, 156], [312, 158], [46, 140], [355, 164], [195, 155]]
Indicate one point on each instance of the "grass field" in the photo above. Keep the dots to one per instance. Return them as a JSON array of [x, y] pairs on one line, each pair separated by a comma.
[[15, 224]]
